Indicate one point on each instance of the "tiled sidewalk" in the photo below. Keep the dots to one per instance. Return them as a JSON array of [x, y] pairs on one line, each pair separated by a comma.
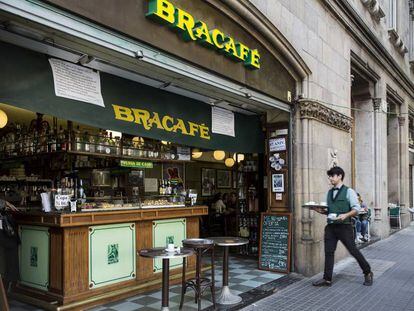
[[392, 262], [243, 277]]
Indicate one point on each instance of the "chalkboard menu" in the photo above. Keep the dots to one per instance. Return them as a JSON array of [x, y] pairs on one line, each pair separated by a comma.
[[274, 251]]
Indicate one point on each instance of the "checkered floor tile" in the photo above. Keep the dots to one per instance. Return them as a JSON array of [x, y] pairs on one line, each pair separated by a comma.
[[243, 277]]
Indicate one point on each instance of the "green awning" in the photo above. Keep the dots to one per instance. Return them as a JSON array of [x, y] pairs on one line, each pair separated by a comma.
[[26, 81]]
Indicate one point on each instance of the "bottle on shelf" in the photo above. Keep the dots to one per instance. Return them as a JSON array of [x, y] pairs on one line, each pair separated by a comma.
[[99, 142], [52, 142], [62, 139], [78, 140], [86, 142]]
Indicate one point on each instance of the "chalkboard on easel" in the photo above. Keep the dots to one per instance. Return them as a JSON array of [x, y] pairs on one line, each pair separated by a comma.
[[275, 236]]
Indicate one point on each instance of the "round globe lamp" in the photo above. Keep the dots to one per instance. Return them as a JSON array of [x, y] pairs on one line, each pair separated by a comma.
[[229, 162], [3, 119], [196, 154], [219, 155]]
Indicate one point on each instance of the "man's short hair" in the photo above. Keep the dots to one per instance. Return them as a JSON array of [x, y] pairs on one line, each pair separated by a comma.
[[336, 170]]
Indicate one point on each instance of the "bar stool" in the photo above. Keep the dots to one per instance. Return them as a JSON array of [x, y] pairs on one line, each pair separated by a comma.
[[199, 284]]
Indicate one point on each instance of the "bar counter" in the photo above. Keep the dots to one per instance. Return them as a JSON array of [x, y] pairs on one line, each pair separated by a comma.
[[70, 261]]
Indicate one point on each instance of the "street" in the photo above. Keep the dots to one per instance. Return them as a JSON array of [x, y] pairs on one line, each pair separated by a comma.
[[392, 261]]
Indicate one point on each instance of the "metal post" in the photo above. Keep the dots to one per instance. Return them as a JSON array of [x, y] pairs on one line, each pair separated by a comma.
[[165, 283], [226, 267]]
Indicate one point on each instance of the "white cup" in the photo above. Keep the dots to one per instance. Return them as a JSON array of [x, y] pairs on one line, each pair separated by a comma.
[[170, 247], [332, 216], [323, 204]]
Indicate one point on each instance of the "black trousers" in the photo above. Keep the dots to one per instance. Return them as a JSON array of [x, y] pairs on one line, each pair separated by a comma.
[[345, 234]]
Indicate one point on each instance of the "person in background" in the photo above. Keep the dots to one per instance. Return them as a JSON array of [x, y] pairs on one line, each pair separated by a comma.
[[361, 222], [218, 205], [342, 205], [231, 203], [9, 241]]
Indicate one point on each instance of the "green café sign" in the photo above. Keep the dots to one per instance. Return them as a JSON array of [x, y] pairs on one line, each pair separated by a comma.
[[192, 29], [136, 164]]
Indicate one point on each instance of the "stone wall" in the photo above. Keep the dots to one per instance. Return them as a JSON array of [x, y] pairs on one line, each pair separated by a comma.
[[316, 29]]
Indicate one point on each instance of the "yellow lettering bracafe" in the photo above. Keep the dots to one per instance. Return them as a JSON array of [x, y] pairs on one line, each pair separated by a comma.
[[191, 29], [149, 120]]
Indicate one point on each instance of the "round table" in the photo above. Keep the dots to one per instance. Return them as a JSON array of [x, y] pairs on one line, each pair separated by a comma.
[[161, 253], [226, 297]]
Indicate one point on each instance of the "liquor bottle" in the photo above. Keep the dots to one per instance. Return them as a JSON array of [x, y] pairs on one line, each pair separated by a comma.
[[100, 142], [86, 142], [92, 143], [169, 188], [52, 142], [110, 148], [62, 139], [118, 145], [78, 140], [161, 188]]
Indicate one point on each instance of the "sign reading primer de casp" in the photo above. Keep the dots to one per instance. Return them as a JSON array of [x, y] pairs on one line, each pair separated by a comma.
[[192, 29]]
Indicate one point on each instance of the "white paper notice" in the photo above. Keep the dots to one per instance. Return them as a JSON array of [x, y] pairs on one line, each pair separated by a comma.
[[151, 184], [222, 121], [76, 82]]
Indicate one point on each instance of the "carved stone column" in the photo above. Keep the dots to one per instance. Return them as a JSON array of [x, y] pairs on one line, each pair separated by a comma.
[[376, 103], [314, 123], [401, 123]]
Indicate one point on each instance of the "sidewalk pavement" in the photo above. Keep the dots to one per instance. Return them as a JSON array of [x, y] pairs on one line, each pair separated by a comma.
[[391, 260]]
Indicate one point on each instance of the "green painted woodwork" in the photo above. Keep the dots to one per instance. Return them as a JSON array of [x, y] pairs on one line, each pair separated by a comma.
[[26, 81], [112, 254], [168, 231], [34, 256]]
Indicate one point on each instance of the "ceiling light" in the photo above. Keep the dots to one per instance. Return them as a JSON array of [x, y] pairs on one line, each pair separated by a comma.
[[196, 154], [219, 155], [229, 162], [240, 157], [3, 119]]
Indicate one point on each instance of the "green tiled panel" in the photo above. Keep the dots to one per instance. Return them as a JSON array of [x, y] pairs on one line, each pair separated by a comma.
[[34, 256], [112, 254], [174, 230]]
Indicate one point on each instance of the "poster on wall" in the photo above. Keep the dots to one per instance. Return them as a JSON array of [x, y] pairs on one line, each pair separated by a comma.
[[223, 179], [278, 184], [173, 172], [277, 144], [208, 181]]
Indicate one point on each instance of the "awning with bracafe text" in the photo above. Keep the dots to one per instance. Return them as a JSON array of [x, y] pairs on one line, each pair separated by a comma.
[[26, 81]]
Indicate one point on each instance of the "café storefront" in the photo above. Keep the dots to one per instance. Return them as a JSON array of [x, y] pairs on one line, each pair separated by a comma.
[[194, 69]]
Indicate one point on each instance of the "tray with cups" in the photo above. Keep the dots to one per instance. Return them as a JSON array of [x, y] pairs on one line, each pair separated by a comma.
[[316, 205]]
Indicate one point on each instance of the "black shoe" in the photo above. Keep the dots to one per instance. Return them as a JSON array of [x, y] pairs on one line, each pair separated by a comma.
[[322, 282], [369, 279]]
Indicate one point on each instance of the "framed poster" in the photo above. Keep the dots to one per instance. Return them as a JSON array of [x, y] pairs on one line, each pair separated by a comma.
[[277, 144], [173, 172], [278, 183], [208, 181], [223, 179]]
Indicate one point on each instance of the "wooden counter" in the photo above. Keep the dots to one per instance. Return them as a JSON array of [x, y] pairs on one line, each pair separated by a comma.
[[73, 260]]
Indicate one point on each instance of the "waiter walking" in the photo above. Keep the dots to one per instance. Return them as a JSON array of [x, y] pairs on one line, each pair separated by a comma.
[[342, 205]]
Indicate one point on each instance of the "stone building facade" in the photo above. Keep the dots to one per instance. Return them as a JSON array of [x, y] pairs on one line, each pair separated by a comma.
[[353, 109], [340, 72]]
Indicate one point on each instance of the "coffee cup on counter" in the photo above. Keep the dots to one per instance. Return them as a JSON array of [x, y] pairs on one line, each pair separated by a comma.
[[170, 247]]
